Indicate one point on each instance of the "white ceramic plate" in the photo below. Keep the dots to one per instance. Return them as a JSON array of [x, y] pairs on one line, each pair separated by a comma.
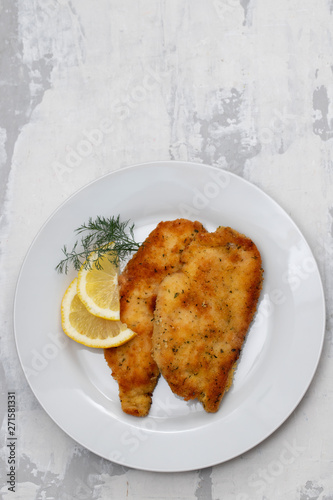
[[279, 359]]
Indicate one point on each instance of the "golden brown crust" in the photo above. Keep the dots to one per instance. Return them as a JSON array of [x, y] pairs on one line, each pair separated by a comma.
[[203, 313], [132, 364]]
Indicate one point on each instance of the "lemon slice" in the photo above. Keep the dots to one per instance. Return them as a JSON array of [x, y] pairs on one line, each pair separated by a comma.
[[83, 327], [98, 288]]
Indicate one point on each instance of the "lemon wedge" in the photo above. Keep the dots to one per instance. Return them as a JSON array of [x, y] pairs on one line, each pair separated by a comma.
[[83, 327], [98, 286]]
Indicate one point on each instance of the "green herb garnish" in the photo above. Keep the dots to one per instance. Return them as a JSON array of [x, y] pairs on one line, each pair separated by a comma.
[[101, 232]]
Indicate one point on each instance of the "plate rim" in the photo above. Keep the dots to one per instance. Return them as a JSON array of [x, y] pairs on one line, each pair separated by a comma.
[[168, 163]]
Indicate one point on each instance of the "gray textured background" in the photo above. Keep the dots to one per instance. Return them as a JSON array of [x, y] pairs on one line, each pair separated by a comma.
[[244, 85]]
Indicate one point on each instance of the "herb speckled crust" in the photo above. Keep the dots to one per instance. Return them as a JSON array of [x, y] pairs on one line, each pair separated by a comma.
[[203, 313], [132, 364]]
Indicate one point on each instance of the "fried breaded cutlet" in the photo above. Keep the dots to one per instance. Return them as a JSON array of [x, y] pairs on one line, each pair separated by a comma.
[[203, 312], [132, 364]]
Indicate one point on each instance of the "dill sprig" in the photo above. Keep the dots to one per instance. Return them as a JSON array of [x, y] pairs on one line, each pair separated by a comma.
[[101, 233]]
